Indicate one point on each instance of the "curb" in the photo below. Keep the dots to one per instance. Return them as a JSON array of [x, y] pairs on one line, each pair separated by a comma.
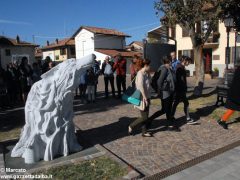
[[132, 173]]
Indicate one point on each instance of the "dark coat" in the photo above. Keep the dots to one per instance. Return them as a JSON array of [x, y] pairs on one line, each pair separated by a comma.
[[233, 99], [181, 83]]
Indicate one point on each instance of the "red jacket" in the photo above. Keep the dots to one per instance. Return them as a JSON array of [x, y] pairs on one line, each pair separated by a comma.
[[120, 66]]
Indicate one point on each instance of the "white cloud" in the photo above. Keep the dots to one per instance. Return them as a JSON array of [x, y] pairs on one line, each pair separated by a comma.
[[4, 21]]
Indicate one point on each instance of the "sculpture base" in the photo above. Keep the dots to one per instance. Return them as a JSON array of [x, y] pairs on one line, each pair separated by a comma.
[[18, 163]]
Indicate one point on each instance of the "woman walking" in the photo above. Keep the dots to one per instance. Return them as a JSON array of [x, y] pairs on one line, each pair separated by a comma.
[[143, 81], [233, 99]]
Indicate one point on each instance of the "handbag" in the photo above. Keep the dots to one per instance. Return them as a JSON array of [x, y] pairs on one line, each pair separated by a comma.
[[142, 106], [132, 95]]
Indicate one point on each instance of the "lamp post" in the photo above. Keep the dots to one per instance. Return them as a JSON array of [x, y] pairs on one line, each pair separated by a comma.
[[228, 21]]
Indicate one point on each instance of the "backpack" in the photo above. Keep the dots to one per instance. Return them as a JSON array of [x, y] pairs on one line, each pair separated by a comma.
[[169, 82], [155, 78]]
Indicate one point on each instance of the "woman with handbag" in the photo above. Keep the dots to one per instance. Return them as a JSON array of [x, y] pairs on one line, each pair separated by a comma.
[[143, 81]]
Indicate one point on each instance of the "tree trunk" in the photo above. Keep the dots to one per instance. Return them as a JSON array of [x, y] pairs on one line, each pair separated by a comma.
[[199, 68]]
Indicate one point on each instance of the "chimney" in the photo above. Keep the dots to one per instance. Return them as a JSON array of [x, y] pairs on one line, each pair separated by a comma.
[[56, 41], [47, 43], [17, 39]]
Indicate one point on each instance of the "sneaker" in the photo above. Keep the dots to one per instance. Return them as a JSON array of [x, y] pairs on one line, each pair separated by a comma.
[[130, 131], [223, 124], [147, 134], [191, 122]]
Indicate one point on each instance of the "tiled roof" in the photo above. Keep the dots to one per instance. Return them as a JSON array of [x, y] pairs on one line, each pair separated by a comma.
[[15, 43], [63, 42], [98, 30], [139, 43], [114, 52]]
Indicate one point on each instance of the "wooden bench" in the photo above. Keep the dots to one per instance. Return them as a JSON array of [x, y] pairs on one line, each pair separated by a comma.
[[222, 90]]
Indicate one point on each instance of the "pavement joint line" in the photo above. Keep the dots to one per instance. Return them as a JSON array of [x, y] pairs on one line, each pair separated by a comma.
[[140, 174], [136, 173]]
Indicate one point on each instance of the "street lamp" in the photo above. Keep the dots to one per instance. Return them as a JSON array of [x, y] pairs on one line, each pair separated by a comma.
[[229, 23]]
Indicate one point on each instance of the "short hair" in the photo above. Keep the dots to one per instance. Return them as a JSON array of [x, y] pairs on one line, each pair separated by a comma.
[[186, 58], [146, 62], [166, 60]]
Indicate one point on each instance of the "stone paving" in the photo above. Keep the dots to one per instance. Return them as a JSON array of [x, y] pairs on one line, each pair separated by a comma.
[[105, 122], [223, 167]]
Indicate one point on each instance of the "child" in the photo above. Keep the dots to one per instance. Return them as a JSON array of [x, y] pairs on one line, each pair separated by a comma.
[[91, 82]]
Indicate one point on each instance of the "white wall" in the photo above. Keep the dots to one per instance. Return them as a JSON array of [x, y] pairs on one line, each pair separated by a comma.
[[17, 51], [109, 42], [51, 54], [84, 43], [100, 56]]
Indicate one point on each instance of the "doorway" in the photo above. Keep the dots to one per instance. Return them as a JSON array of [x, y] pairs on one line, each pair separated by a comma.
[[207, 59]]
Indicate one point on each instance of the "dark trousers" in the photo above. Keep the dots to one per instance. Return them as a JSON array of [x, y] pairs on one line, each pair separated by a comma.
[[121, 82], [110, 79], [166, 109], [82, 89], [181, 97], [143, 120]]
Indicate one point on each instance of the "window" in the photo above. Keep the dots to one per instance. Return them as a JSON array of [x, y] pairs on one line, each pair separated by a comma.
[[185, 32], [232, 59], [8, 52], [57, 57], [72, 51], [173, 32], [63, 51], [179, 54], [238, 38], [189, 53]]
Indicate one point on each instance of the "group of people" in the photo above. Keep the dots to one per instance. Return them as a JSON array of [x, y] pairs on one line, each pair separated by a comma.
[[89, 79], [17, 79], [171, 87]]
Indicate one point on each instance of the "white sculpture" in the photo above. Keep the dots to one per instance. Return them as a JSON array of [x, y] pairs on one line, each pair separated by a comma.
[[49, 129]]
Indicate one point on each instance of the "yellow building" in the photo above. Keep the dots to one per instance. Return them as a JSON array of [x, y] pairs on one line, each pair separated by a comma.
[[214, 49], [60, 50]]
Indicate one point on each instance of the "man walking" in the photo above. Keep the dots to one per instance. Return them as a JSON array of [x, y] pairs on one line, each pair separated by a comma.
[[120, 66], [181, 89], [107, 71], [166, 89]]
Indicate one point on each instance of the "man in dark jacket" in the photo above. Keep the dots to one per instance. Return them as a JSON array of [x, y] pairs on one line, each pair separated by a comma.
[[121, 67], [233, 99], [107, 71], [166, 87], [181, 89]]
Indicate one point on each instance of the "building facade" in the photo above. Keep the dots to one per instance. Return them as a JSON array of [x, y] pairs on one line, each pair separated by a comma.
[[13, 50], [214, 50], [60, 50], [100, 41]]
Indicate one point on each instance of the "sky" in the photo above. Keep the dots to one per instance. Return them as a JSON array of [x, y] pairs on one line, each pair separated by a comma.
[[42, 20]]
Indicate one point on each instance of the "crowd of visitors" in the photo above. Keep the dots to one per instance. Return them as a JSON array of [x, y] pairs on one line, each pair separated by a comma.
[[17, 79]]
